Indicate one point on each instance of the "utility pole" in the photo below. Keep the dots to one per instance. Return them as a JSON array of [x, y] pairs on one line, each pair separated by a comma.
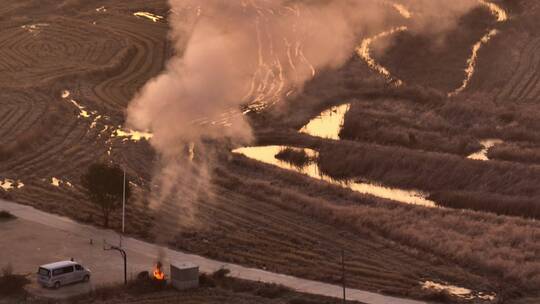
[[123, 207], [124, 256], [343, 274], [124, 203]]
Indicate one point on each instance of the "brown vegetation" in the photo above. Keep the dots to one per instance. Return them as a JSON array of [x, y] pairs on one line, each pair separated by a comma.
[[433, 172], [417, 59], [500, 204], [495, 247], [515, 153], [405, 123], [296, 157]]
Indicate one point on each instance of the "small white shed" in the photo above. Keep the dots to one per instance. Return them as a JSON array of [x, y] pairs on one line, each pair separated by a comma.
[[184, 275]]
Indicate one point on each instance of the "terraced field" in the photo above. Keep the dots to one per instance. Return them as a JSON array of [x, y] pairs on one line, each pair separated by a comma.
[[101, 55], [71, 68]]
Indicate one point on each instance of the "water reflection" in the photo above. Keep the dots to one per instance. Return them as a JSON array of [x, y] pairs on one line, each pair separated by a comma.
[[471, 62], [459, 292], [9, 184], [496, 10], [82, 111], [267, 154], [58, 182], [34, 29], [148, 15], [132, 135], [364, 51], [328, 123], [483, 154]]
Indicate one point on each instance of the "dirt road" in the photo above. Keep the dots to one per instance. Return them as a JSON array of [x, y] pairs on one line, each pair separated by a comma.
[[62, 238]]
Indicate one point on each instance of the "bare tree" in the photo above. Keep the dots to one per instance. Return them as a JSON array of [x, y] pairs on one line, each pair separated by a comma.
[[104, 186]]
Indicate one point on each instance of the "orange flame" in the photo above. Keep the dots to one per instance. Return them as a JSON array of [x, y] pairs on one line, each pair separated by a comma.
[[158, 274]]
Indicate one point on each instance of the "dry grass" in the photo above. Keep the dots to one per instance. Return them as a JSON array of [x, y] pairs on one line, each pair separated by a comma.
[[501, 249], [433, 172], [500, 204], [516, 153], [406, 123]]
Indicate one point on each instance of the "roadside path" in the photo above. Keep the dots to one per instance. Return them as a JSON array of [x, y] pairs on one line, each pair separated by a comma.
[[144, 253]]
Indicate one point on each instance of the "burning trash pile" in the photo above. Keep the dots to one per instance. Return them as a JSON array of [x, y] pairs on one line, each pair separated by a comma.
[[151, 280], [182, 276], [158, 274]]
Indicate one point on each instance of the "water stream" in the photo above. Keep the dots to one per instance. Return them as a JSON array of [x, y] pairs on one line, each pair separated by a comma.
[[471, 62], [501, 16], [267, 155], [364, 51]]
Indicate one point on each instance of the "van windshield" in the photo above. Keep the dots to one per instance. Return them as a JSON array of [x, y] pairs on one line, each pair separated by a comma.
[[43, 271]]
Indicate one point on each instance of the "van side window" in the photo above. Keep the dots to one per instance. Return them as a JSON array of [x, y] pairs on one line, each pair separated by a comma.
[[78, 267], [57, 271], [67, 269]]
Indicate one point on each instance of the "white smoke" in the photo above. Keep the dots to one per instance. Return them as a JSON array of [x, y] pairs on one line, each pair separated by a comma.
[[232, 53]]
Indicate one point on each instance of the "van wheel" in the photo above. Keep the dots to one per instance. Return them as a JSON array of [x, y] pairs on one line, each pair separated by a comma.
[[56, 285], [86, 278]]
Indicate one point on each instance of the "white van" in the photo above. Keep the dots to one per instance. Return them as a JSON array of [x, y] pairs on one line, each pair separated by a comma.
[[62, 273]]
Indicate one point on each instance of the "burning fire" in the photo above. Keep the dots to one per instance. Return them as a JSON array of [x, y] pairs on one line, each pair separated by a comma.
[[158, 274]]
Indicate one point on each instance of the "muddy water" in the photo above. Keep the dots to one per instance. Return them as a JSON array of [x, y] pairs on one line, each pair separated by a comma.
[[328, 123], [483, 154], [267, 155]]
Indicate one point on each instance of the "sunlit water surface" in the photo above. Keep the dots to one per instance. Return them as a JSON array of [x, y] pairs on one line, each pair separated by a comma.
[[459, 292], [328, 123], [267, 155], [483, 154]]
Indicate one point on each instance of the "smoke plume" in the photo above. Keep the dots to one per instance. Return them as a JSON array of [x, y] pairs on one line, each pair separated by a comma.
[[245, 55]]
